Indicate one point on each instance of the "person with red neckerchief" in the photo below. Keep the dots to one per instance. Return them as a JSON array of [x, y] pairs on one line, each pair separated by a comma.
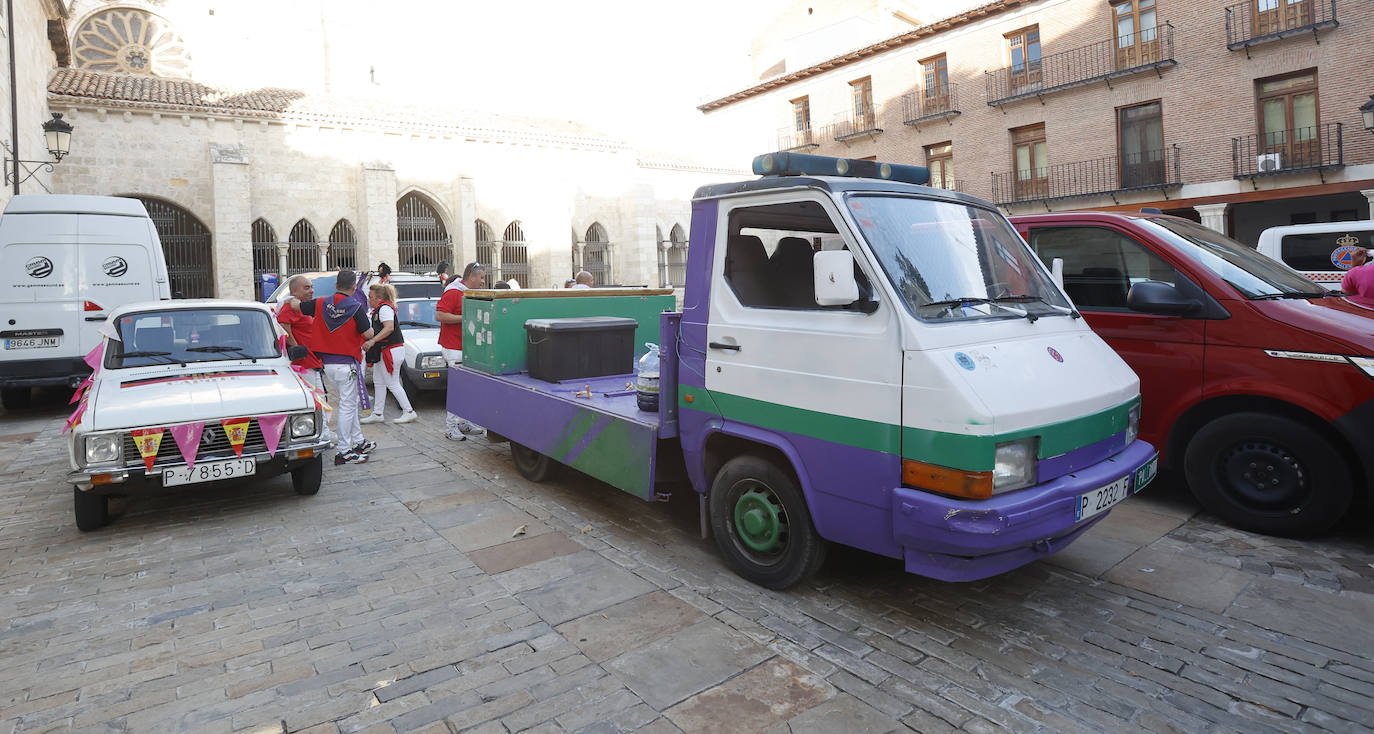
[[449, 313], [386, 352]]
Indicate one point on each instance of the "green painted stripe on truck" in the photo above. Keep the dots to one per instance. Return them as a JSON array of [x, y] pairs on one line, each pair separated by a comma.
[[573, 433], [954, 450]]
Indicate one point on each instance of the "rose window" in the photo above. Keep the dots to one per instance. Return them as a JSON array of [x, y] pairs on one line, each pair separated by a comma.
[[132, 41]]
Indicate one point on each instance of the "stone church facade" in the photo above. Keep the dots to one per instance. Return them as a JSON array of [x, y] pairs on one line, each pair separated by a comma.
[[244, 181]]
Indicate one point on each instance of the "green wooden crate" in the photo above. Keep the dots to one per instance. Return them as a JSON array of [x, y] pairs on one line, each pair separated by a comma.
[[494, 321]]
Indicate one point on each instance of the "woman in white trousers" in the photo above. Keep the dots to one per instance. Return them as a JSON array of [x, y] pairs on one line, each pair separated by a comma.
[[386, 352]]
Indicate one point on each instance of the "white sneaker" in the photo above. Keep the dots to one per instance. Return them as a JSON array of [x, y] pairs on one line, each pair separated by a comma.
[[454, 436], [471, 430], [376, 417], [407, 417]]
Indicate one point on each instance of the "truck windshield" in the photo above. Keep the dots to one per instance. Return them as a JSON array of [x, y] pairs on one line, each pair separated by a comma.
[[191, 335], [951, 261], [1253, 274]]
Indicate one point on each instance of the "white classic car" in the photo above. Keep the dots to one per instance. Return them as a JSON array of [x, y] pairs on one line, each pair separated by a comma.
[[185, 392], [424, 367]]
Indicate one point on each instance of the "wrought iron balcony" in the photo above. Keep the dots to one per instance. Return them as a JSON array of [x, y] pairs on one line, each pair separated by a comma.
[[949, 184], [1315, 148], [1154, 169], [793, 139], [1152, 48], [855, 126], [930, 105], [1259, 21]]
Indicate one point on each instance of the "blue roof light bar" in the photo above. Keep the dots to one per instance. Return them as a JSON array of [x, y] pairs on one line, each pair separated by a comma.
[[801, 164]]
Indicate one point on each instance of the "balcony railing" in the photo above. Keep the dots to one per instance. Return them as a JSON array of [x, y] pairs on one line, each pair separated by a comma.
[[949, 184], [1315, 148], [1259, 21], [1154, 169], [930, 104], [793, 139], [857, 126], [1152, 48]]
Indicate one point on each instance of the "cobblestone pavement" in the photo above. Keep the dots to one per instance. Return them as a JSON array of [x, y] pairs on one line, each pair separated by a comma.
[[435, 590]]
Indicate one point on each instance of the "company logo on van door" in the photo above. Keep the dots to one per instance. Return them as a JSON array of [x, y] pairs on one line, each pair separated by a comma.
[[38, 267], [115, 266]]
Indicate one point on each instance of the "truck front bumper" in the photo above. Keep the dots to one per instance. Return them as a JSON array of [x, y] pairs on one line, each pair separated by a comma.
[[965, 540], [126, 479]]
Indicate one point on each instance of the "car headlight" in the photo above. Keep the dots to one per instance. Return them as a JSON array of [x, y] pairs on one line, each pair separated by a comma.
[[303, 425], [1132, 424], [104, 448], [433, 362], [1014, 465], [1364, 363]]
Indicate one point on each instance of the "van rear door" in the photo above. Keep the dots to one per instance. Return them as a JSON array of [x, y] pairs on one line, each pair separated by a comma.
[[116, 266], [38, 288]]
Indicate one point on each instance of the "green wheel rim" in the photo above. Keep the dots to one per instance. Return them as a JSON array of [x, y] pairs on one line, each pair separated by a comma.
[[760, 520]]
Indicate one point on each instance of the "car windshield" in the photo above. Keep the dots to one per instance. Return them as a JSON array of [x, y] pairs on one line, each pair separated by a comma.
[[951, 261], [419, 288], [191, 335], [417, 313], [1249, 272]]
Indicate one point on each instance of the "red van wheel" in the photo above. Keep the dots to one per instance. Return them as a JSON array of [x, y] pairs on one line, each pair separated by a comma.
[[1268, 474]]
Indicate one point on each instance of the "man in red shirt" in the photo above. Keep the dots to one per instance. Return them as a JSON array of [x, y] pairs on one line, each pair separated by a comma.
[[1358, 282], [449, 314], [298, 328], [341, 325]]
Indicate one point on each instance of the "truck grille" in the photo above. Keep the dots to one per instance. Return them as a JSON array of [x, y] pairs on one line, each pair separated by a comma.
[[214, 444]]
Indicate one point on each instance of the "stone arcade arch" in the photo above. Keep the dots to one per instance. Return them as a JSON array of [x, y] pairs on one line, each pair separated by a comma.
[[677, 257], [422, 240], [186, 246], [596, 254], [343, 246], [486, 243], [515, 261], [303, 250]]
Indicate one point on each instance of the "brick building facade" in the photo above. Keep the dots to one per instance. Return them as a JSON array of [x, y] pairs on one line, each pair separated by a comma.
[[1241, 115]]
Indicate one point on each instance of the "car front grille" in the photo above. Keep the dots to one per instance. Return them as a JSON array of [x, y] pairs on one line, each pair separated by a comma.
[[214, 444]]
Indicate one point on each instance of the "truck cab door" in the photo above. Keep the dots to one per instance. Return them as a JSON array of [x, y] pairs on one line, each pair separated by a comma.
[[1101, 264], [824, 381]]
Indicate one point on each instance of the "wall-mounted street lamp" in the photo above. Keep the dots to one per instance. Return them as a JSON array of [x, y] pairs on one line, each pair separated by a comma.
[[57, 134], [1367, 109]]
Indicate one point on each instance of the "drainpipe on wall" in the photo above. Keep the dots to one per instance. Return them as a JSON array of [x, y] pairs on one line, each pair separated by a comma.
[[14, 95]]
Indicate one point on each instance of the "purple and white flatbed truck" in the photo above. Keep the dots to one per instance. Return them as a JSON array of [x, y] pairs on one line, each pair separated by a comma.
[[859, 359]]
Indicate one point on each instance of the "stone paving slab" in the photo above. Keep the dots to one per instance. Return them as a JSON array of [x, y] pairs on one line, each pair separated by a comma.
[[373, 607]]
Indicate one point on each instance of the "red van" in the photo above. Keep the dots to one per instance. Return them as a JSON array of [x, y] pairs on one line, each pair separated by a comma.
[[1256, 383]]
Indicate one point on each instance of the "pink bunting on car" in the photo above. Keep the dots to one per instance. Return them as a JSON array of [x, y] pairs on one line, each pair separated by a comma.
[[187, 436], [93, 357], [271, 427]]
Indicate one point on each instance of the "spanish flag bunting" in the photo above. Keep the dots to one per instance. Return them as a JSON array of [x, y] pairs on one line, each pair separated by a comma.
[[147, 440], [236, 430]]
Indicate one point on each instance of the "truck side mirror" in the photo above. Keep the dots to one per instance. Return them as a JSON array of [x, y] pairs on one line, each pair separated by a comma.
[[1154, 297], [834, 278], [1057, 271], [297, 352]]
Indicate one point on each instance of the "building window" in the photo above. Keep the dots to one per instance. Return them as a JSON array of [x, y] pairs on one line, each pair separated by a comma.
[[677, 257], [131, 41], [861, 95], [1140, 135], [596, 254], [1137, 42], [1272, 16], [1023, 49], [940, 161], [935, 77], [801, 115], [515, 260], [343, 246], [485, 243], [1288, 119], [1028, 161]]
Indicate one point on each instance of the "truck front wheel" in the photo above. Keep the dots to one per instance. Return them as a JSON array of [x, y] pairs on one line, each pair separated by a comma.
[[92, 510], [762, 525], [531, 464], [1268, 474], [305, 479]]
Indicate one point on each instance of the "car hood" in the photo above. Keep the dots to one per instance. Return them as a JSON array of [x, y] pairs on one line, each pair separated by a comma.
[[1346, 325], [171, 395], [421, 340]]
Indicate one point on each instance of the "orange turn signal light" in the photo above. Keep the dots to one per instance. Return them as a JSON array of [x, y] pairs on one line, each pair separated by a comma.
[[974, 485], [305, 454], [102, 479]]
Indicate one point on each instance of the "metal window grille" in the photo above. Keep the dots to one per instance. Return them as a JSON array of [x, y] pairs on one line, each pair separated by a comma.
[[486, 245], [186, 247], [677, 257], [264, 252], [1312, 148], [514, 254], [343, 246], [302, 254], [421, 238], [596, 254]]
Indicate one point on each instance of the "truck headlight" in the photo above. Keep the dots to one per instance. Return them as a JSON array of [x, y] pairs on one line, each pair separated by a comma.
[[433, 362], [1132, 424], [1364, 363], [104, 448], [1014, 465], [303, 425]]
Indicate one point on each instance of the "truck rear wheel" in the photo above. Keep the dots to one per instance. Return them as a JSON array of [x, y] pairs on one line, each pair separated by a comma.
[[1268, 474], [762, 525], [16, 398], [531, 464], [92, 510]]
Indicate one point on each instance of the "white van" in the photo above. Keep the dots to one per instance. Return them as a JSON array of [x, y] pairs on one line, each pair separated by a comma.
[[1320, 251], [65, 262]]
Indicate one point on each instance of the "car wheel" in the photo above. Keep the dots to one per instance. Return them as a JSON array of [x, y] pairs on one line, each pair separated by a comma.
[[92, 510], [306, 479], [408, 384], [1268, 474], [531, 464], [16, 398], [762, 524]]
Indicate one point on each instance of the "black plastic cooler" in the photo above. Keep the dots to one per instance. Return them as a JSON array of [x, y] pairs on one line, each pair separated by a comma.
[[571, 349]]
